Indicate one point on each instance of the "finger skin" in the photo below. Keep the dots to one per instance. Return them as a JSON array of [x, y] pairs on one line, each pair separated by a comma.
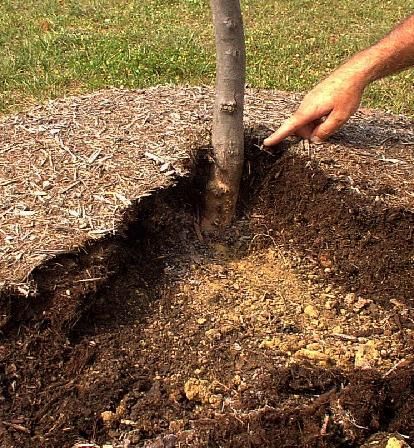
[[324, 130], [286, 129], [301, 123]]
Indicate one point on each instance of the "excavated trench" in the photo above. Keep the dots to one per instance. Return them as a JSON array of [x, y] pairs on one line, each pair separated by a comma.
[[295, 328]]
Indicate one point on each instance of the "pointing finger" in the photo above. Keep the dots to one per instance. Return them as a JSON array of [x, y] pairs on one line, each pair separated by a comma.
[[287, 128]]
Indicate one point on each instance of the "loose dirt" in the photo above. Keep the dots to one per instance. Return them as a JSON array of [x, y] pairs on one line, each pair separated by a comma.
[[295, 329]]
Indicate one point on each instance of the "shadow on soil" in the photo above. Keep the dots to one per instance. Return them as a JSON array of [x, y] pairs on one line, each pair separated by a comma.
[[73, 350]]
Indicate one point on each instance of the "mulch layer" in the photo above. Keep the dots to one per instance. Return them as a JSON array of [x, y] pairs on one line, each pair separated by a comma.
[[122, 326], [70, 169]]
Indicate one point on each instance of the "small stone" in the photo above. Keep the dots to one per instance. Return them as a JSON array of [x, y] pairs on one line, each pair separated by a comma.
[[325, 260], [121, 409], [201, 321], [270, 343], [108, 417], [220, 249], [165, 167], [127, 422], [83, 224], [385, 440], [237, 380], [313, 346], [311, 311], [197, 390], [366, 355], [314, 355], [216, 400]]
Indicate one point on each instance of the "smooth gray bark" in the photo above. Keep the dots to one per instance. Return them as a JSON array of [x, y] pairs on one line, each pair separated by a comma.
[[228, 133]]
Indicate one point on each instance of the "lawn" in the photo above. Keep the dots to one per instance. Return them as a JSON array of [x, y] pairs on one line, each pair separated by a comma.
[[58, 47]]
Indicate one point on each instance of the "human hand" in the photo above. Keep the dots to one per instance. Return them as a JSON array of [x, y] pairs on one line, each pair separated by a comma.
[[323, 110]]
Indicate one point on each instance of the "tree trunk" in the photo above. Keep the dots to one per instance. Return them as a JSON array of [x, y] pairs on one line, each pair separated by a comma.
[[228, 133]]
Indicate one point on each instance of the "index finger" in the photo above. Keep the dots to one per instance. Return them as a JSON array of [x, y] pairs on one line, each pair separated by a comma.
[[287, 128]]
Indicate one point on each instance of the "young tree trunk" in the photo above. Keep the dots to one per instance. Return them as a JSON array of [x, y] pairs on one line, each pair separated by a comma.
[[228, 133]]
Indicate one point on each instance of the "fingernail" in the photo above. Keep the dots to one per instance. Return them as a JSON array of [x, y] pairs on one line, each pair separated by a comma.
[[266, 141], [316, 140]]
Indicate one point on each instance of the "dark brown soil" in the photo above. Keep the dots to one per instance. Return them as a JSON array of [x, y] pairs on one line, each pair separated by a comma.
[[293, 330]]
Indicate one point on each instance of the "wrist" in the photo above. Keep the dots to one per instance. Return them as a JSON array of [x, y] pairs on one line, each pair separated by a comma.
[[356, 73], [367, 66]]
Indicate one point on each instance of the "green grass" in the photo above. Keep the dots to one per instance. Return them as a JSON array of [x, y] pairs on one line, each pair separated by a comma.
[[52, 48]]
